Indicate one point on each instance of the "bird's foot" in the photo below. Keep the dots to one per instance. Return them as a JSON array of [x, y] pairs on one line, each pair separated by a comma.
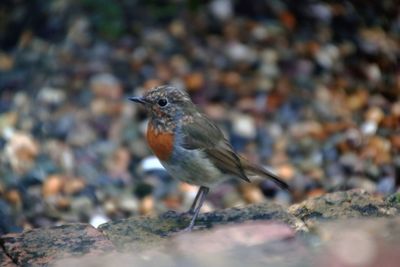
[[188, 213], [188, 229]]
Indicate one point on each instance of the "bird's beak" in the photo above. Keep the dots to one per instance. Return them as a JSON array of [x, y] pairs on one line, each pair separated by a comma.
[[138, 99]]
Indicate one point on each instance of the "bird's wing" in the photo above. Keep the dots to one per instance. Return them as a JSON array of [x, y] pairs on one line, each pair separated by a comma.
[[205, 135]]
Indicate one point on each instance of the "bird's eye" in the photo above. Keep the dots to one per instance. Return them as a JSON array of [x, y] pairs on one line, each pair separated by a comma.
[[162, 102]]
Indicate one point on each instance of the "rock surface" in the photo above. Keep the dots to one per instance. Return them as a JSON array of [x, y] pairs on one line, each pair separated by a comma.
[[145, 232], [359, 242], [44, 246], [255, 243], [371, 242], [5, 261], [341, 205], [256, 235]]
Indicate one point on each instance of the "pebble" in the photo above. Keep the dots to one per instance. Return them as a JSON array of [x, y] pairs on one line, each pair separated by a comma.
[[52, 186], [146, 206], [73, 186], [21, 151], [128, 204]]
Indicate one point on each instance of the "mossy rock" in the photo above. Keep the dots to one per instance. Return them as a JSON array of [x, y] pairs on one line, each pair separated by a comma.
[[355, 203], [146, 232]]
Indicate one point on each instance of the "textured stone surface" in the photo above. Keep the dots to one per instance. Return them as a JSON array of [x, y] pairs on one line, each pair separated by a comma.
[[5, 261], [367, 242], [246, 244], [265, 243], [145, 232], [346, 229], [44, 246], [359, 242], [347, 204]]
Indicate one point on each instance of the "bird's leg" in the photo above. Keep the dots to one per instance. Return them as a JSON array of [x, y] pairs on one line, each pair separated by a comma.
[[193, 207], [203, 191]]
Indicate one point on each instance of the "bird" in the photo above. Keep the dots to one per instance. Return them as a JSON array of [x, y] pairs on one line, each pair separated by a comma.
[[191, 147]]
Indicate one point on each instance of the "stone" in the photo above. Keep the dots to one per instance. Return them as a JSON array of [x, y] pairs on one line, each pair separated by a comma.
[[268, 244], [51, 95], [139, 233], [13, 197], [194, 81], [106, 85], [5, 261], [73, 186], [6, 62], [52, 186], [256, 235], [21, 151], [244, 126], [359, 242], [247, 244], [227, 237], [146, 205], [355, 203], [46, 245], [251, 193]]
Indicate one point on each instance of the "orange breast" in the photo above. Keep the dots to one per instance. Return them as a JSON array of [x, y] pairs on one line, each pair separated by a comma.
[[160, 143]]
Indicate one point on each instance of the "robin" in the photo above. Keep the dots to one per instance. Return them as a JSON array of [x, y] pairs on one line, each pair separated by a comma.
[[190, 146]]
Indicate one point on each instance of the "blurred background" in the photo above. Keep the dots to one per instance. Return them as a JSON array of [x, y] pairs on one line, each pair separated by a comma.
[[308, 88]]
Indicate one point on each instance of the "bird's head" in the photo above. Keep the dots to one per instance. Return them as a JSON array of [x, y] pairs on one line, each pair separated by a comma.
[[165, 101]]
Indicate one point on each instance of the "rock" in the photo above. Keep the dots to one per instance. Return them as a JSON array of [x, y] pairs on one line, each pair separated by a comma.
[[251, 193], [13, 197], [73, 186], [247, 244], [346, 204], [194, 81], [81, 134], [81, 205], [6, 62], [393, 199], [44, 246], [49, 95], [128, 203], [359, 242], [7, 218], [146, 205], [106, 88], [227, 237], [268, 244], [244, 126], [21, 151], [138, 233], [256, 235], [52, 186], [5, 261]]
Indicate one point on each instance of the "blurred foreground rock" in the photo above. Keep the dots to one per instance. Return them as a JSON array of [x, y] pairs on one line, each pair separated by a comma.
[[254, 243], [337, 234], [359, 242], [5, 261], [369, 242]]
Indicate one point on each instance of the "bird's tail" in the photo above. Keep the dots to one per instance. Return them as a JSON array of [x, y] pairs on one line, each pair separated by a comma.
[[258, 170]]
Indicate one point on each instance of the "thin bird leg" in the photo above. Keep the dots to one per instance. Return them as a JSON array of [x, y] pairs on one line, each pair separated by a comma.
[[203, 193], [192, 208]]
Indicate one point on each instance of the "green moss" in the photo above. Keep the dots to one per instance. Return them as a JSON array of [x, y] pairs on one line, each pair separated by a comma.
[[394, 198]]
